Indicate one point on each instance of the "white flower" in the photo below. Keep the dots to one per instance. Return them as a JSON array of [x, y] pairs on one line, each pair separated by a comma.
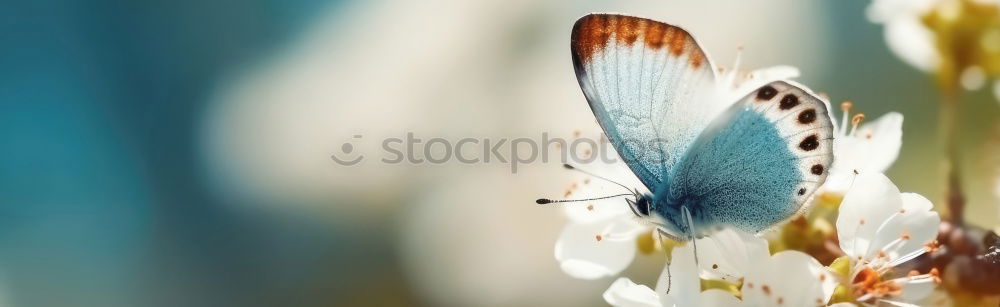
[[600, 248], [880, 228], [869, 148], [788, 278], [599, 240], [905, 34], [685, 287], [908, 36], [733, 83], [729, 254]]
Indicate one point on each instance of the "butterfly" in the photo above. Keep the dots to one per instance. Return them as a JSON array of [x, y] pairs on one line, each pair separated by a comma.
[[710, 158]]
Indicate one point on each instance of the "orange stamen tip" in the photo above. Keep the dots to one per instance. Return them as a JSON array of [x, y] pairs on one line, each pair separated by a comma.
[[846, 105], [857, 118], [932, 246], [599, 238], [869, 282], [936, 275]]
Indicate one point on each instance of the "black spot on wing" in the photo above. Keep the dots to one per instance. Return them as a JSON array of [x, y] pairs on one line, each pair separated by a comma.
[[809, 143], [766, 93], [788, 102], [816, 169], [807, 116]]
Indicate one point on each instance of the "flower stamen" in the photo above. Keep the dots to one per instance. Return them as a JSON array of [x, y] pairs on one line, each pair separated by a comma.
[[868, 285], [855, 121], [932, 246], [845, 109], [907, 257], [739, 55]]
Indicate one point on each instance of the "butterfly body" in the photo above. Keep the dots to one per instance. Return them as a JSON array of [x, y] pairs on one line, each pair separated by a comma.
[[709, 157]]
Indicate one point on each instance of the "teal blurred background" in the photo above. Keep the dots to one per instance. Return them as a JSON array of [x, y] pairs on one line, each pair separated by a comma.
[[163, 153]]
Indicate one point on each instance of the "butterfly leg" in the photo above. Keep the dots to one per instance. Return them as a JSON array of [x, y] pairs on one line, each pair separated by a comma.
[[661, 234], [690, 232]]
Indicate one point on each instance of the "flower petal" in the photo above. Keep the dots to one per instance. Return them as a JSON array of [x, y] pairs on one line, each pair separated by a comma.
[[774, 73], [872, 148], [897, 303], [882, 139], [912, 42], [681, 276], [789, 278], [870, 201], [915, 225], [586, 186], [596, 250], [916, 288], [596, 211], [763, 76], [716, 297], [728, 254], [682, 279], [733, 84], [590, 187], [625, 293], [881, 11]]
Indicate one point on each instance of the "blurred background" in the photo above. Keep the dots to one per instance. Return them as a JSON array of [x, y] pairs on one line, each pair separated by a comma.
[[164, 153]]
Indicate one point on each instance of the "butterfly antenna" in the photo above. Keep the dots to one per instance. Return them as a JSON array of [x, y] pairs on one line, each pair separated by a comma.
[[570, 167], [543, 201]]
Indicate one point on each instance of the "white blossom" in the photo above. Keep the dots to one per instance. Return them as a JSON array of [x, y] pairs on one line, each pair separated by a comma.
[[880, 228], [788, 278], [869, 148]]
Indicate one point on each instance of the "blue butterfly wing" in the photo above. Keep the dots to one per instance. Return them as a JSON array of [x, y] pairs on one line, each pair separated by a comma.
[[643, 79], [759, 162]]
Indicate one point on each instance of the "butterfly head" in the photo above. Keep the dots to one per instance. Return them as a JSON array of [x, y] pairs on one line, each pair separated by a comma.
[[642, 205], [673, 219]]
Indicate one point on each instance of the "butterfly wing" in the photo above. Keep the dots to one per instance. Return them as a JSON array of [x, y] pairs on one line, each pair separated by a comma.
[[759, 162], [643, 79]]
